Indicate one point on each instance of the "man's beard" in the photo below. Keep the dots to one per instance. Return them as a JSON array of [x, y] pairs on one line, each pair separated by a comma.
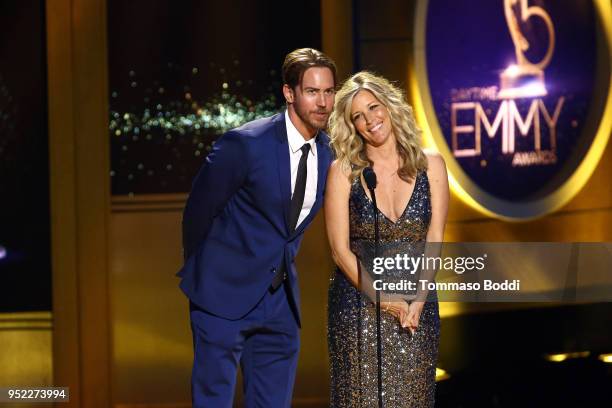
[[310, 119]]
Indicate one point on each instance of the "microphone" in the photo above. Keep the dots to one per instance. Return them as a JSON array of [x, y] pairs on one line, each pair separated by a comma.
[[370, 179]]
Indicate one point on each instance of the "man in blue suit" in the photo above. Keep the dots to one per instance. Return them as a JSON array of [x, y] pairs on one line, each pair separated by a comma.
[[258, 190]]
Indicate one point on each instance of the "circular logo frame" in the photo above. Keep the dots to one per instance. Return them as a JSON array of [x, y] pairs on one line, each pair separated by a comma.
[[461, 183]]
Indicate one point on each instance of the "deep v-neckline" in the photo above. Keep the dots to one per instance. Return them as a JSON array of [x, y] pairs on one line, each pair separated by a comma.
[[416, 179]]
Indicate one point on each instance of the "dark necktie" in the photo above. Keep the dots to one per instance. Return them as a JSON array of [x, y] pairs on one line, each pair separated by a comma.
[[296, 207], [300, 189]]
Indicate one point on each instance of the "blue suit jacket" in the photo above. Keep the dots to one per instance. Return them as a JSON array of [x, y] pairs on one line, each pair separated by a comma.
[[235, 223]]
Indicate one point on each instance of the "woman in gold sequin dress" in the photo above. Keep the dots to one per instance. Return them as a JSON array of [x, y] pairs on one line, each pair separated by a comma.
[[373, 126]]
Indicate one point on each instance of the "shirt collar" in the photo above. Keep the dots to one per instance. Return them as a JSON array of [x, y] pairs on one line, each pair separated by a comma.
[[295, 138]]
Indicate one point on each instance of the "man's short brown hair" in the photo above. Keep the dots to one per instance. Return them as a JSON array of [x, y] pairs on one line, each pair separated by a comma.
[[298, 61]]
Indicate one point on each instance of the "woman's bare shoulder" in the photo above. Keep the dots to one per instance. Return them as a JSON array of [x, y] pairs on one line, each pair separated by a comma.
[[435, 162]]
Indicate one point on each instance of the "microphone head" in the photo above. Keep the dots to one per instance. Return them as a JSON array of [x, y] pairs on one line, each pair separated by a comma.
[[370, 178]]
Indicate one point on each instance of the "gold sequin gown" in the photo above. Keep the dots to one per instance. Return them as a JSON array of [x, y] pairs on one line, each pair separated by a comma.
[[408, 362]]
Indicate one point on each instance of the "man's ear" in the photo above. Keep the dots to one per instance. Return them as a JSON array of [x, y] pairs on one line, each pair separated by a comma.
[[288, 93]]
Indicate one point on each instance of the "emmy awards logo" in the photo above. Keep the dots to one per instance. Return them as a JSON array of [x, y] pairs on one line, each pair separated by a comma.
[[515, 95], [525, 78]]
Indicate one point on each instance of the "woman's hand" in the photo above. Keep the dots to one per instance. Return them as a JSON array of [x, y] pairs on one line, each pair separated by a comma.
[[411, 320], [398, 309]]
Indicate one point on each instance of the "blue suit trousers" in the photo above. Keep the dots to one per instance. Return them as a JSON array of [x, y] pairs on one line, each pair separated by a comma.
[[265, 343]]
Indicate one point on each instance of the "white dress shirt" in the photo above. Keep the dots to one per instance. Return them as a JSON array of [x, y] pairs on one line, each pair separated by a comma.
[[296, 141]]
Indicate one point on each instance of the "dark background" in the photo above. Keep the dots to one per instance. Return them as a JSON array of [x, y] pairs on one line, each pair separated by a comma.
[[161, 51], [25, 270]]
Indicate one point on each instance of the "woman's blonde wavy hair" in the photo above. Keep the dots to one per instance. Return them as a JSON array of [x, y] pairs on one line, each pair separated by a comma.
[[349, 146]]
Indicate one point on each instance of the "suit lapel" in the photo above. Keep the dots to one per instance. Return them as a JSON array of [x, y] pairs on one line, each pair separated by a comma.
[[284, 167], [323, 166]]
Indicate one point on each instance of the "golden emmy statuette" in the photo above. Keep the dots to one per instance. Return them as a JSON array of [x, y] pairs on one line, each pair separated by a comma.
[[525, 79]]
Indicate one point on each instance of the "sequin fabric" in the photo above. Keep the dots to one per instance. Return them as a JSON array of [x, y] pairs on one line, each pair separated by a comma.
[[408, 361]]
